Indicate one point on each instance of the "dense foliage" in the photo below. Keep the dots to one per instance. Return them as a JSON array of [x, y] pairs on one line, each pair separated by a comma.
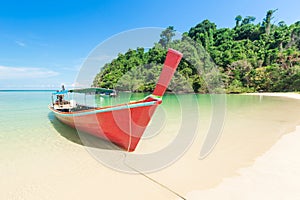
[[247, 58]]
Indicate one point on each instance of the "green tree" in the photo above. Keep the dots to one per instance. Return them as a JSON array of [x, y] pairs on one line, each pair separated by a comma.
[[248, 20], [203, 33], [238, 19], [166, 36], [267, 21]]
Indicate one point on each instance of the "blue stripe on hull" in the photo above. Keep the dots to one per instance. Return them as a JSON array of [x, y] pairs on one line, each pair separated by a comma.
[[82, 113]]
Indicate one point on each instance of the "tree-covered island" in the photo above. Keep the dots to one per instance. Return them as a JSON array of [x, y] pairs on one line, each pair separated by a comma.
[[246, 58]]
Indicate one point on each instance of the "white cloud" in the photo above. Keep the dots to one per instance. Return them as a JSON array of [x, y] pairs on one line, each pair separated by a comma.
[[7, 73], [21, 44]]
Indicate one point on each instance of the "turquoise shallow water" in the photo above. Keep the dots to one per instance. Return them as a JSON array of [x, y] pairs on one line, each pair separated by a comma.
[[26, 113], [23, 112], [25, 117]]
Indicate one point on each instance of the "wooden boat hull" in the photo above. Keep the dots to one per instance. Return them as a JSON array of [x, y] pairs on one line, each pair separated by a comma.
[[123, 125]]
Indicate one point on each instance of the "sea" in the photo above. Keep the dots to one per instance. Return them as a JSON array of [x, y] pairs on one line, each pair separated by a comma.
[[26, 120], [31, 137]]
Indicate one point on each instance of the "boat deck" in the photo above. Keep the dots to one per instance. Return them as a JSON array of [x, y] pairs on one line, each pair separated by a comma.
[[70, 108]]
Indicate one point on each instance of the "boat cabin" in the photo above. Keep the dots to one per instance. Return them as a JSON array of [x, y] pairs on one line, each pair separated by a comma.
[[61, 99]]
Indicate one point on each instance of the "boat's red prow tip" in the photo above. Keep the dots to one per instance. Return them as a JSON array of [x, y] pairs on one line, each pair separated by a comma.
[[172, 61], [175, 51]]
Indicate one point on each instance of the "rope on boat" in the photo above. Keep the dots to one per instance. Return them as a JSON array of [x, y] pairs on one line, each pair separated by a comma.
[[154, 181]]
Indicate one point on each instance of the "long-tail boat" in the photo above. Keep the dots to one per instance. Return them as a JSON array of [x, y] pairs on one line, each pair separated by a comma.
[[122, 124]]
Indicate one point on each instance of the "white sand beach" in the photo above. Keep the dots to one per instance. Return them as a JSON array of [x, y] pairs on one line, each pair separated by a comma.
[[274, 175], [287, 95]]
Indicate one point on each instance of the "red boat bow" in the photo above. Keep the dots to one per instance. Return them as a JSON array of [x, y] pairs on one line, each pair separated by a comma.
[[123, 124]]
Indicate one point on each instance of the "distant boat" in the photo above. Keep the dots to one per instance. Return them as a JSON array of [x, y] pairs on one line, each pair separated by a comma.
[[122, 124], [96, 91]]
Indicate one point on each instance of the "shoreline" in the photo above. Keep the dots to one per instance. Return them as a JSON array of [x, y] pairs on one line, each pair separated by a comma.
[[291, 95], [273, 175]]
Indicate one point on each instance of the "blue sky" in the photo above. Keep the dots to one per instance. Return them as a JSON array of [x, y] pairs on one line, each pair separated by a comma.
[[44, 43]]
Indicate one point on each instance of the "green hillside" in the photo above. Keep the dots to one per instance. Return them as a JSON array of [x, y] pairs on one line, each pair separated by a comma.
[[249, 57]]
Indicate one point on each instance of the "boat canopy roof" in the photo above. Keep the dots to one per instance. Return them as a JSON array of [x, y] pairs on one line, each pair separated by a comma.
[[60, 92], [86, 91]]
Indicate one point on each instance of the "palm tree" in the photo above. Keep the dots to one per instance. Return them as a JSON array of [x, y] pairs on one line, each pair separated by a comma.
[[237, 20], [267, 20]]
